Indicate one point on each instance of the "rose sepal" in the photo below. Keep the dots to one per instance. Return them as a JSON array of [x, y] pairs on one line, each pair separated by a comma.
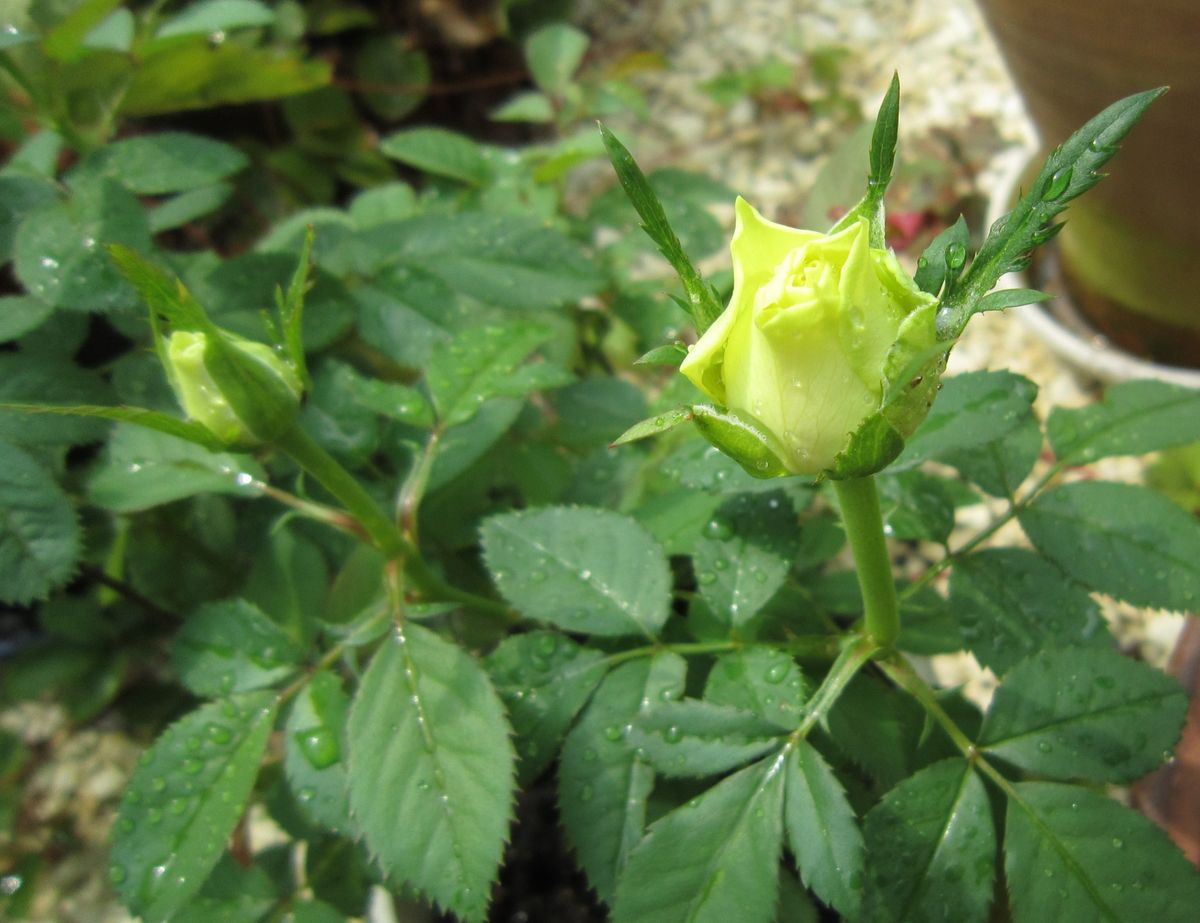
[[742, 439]]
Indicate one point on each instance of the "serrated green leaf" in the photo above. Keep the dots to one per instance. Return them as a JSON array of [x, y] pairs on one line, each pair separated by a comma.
[[1013, 603], [314, 757], [1069, 171], [511, 261], [143, 468], [653, 426], [1127, 541], [58, 251], [486, 362], [28, 378], [1010, 298], [581, 569], [1074, 856], [39, 534], [231, 894], [232, 646], [440, 152], [463, 445], [1134, 417], [931, 848], [591, 411], [876, 729], [602, 784], [185, 797], [823, 831], [713, 860], [694, 738], [745, 553], [151, 419], [167, 162], [701, 301], [429, 752], [1001, 466], [553, 53], [764, 682], [1084, 714], [544, 679], [916, 505], [974, 409], [933, 266]]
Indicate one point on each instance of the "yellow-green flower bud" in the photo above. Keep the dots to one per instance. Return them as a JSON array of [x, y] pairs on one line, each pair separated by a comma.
[[261, 393], [818, 331]]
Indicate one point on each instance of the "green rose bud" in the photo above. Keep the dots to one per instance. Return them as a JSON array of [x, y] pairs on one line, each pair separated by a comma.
[[242, 391], [827, 345]]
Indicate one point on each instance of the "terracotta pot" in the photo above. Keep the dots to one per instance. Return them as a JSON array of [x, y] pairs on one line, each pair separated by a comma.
[[1130, 244]]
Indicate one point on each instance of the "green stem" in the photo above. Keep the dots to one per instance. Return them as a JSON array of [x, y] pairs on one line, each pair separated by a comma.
[[854, 654], [339, 482], [381, 530], [863, 522]]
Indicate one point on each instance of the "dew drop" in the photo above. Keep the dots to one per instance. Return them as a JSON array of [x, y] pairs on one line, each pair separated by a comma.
[[776, 673], [1058, 184], [613, 733], [192, 766], [117, 874], [319, 747], [1044, 746], [219, 734], [673, 734]]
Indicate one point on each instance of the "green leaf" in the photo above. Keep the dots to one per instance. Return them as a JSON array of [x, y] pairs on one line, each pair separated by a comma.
[[209, 16], [396, 76], [20, 195], [671, 354], [544, 679], [696, 738], [1068, 172], [510, 261], [189, 73], [592, 410], [525, 107], [602, 784], [1135, 417], [916, 506], [314, 757], [1074, 856], [232, 646], [701, 301], [745, 553], [553, 53], [39, 534], [823, 831], [931, 848], [429, 752], [882, 155], [231, 894], [1084, 714], [1127, 541], [486, 362], [21, 313], [167, 162], [150, 419], [585, 570], [1001, 466], [186, 207], [653, 426], [463, 445], [1010, 298], [186, 795], [59, 253], [876, 729], [934, 265], [974, 409], [24, 378], [440, 152], [764, 682], [143, 468], [63, 41], [1013, 603], [714, 859]]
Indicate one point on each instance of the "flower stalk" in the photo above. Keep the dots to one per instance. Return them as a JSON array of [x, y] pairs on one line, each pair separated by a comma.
[[863, 521]]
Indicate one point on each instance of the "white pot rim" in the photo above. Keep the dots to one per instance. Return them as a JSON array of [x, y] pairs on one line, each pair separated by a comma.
[[1062, 330]]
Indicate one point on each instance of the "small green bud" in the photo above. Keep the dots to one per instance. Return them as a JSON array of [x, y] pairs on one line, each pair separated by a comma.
[[812, 345], [242, 391]]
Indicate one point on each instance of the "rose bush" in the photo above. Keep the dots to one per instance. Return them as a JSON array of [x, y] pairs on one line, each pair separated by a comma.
[[826, 340]]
